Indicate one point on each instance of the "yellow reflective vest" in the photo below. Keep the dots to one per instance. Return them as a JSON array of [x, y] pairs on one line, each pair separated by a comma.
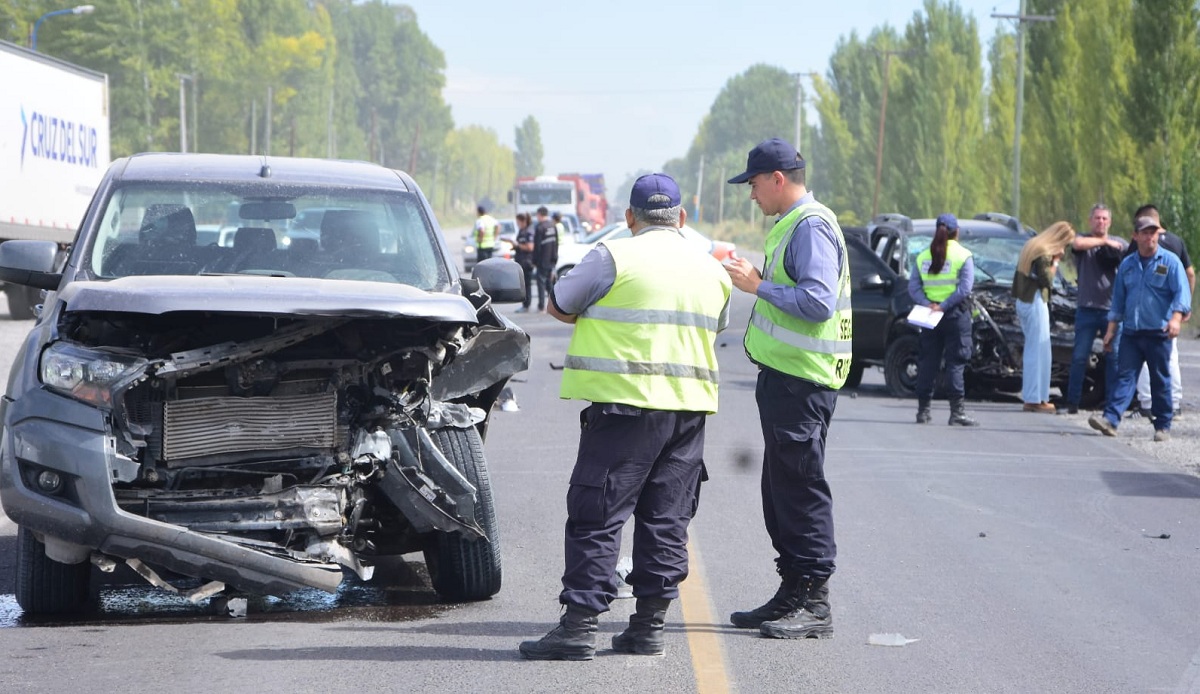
[[815, 351], [649, 342], [939, 287], [485, 231]]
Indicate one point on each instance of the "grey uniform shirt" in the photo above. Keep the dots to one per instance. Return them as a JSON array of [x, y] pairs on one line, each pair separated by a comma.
[[1097, 268]]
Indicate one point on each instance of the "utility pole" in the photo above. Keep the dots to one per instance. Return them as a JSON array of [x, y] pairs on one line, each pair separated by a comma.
[[183, 139], [699, 190], [887, 72], [1021, 19], [800, 108]]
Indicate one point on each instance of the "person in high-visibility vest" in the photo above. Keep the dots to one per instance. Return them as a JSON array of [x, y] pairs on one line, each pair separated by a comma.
[[942, 281], [800, 336], [646, 311], [486, 228]]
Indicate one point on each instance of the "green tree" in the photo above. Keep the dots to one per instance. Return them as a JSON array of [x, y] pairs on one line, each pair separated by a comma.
[[528, 157], [1163, 110]]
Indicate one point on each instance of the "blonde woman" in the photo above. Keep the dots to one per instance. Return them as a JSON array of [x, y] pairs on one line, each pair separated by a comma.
[[1031, 286]]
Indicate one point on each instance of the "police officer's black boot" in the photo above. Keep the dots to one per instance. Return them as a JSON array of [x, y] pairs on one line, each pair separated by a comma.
[[923, 413], [644, 636], [573, 639], [958, 414], [783, 602], [810, 619]]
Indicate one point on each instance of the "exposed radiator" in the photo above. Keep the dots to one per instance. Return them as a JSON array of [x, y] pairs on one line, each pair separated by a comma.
[[210, 426]]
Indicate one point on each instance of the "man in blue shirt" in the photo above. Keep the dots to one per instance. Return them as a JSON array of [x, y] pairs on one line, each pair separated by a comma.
[[1151, 297]]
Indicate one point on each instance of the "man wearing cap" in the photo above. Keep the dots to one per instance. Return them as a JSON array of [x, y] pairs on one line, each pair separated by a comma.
[[1174, 244], [943, 282], [1151, 298], [799, 335], [486, 228], [646, 311]]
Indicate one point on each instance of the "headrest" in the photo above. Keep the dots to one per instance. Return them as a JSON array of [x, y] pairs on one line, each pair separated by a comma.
[[254, 240], [168, 224], [343, 230]]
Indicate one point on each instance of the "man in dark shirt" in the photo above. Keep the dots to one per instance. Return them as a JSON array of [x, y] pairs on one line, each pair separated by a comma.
[[524, 256], [545, 254], [1172, 243], [1097, 255]]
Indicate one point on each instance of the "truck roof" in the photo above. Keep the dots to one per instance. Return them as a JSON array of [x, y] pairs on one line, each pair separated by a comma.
[[245, 167]]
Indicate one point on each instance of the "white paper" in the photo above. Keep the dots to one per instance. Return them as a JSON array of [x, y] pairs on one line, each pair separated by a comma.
[[924, 317]]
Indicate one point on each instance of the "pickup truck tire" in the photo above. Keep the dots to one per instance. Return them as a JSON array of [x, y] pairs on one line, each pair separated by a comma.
[[854, 378], [900, 366], [460, 569], [44, 586], [22, 301]]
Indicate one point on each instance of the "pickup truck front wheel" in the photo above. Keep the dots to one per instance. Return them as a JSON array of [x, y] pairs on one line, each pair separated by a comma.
[[464, 570], [900, 366], [22, 301], [44, 586]]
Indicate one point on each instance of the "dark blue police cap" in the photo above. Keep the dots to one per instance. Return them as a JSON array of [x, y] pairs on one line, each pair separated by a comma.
[[767, 156], [656, 191], [949, 220]]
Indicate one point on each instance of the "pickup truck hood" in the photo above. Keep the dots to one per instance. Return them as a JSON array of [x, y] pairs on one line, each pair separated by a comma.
[[253, 294]]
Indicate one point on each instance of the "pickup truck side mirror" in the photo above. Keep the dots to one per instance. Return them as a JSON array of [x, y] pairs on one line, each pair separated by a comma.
[[875, 281], [31, 263], [503, 280]]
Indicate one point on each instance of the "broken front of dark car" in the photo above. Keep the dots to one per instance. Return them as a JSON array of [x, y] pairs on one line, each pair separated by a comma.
[[884, 257], [258, 418]]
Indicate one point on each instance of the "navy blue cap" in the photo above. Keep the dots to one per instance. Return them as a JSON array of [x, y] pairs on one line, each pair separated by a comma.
[[767, 156], [948, 219], [656, 191]]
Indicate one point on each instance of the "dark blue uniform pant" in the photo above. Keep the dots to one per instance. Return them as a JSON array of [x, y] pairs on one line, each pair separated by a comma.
[[644, 463], [797, 504], [951, 340]]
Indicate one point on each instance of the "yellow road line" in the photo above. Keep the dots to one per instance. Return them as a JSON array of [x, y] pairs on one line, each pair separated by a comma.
[[708, 660]]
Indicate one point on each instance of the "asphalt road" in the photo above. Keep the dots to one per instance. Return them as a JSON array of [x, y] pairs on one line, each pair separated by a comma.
[[1027, 555]]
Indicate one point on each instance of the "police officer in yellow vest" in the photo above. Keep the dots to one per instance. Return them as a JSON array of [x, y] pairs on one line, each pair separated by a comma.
[[486, 228], [942, 281], [799, 335], [646, 311]]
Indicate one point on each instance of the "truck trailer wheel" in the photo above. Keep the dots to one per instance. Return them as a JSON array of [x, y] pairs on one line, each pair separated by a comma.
[[22, 301], [45, 586], [462, 569]]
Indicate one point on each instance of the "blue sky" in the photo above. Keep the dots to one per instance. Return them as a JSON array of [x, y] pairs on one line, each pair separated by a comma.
[[622, 85]]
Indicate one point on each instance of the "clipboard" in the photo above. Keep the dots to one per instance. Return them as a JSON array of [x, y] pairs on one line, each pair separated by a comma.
[[924, 317]]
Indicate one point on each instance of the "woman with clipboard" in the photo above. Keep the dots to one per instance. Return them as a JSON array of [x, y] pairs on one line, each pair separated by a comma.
[[942, 283]]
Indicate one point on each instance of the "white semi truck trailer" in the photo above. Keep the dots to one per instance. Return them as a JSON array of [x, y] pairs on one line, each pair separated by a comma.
[[54, 148]]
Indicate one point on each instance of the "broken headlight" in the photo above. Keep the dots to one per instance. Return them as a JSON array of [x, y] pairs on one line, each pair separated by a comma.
[[86, 374]]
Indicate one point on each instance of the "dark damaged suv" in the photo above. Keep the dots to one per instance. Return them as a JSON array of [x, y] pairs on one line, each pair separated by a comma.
[[258, 417], [882, 257]]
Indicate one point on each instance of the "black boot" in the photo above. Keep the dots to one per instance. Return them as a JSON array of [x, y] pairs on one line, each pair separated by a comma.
[[573, 639], [811, 619], [783, 602], [644, 636], [958, 414], [923, 413]]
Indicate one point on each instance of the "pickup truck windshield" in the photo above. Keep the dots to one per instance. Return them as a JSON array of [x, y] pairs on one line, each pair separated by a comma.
[[177, 228]]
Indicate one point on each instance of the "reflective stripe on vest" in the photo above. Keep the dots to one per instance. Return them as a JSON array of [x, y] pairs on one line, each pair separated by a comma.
[[938, 287], [649, 342], [815, 351], [485, 231]]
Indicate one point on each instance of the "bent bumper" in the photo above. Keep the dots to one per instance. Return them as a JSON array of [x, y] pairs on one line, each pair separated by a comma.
[[85, 512]]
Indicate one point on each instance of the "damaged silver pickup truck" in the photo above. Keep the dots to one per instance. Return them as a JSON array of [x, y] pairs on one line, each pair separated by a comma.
[[260, 416]]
